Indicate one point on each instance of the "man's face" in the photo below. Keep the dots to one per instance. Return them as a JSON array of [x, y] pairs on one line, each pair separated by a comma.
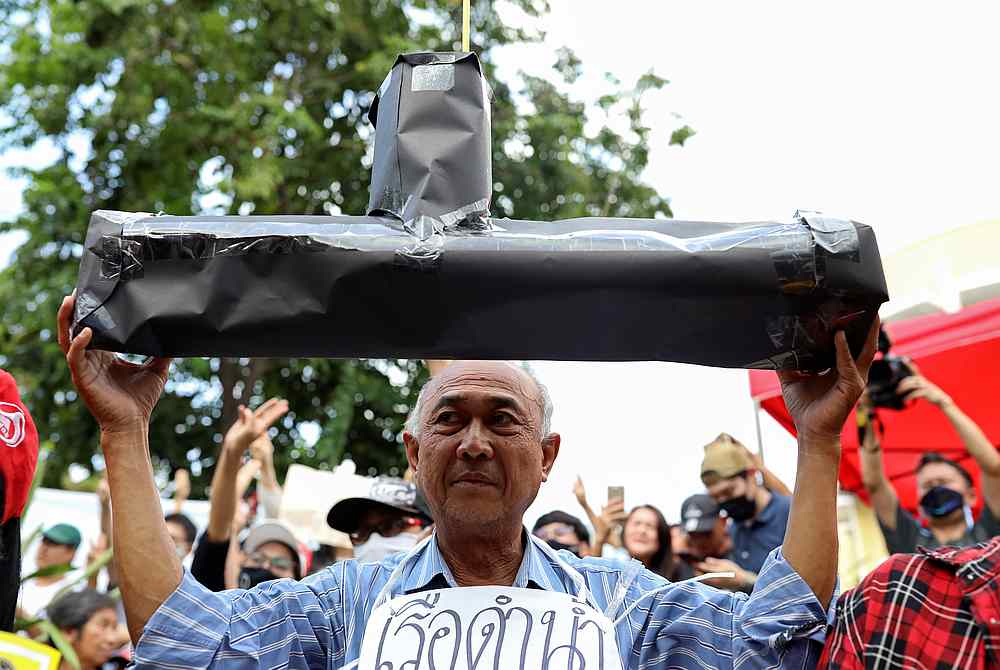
[[942, 474], [179, 536], [481, 455], [709, 543], [51, 553], [733, 487], [275, 556], [562, 533]]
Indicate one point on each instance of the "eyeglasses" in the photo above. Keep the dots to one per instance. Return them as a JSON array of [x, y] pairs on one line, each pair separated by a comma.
[[258, 560], [388, 527]]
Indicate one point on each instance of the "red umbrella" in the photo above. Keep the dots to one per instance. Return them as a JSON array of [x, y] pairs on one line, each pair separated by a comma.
[[960, 353]]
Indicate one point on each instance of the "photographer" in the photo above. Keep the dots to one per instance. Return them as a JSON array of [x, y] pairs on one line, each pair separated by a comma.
[[944, 488]]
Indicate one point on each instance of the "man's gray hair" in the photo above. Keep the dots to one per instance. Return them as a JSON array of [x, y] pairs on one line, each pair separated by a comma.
[[412, 425]]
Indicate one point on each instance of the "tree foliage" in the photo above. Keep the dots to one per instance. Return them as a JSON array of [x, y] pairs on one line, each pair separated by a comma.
[[258, 106]]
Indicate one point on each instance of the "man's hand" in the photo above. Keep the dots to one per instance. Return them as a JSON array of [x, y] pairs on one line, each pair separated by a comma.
[[917, 387], [250, 426], [119, 394], [820, 403], [743, 579]]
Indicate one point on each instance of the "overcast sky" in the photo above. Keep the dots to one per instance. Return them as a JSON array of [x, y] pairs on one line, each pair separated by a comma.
[[884, 112]]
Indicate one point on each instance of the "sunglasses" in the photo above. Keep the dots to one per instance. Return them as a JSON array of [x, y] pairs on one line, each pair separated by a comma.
[[389, 527]]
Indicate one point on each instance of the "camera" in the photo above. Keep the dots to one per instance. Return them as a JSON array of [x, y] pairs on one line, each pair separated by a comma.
[[885, 374]]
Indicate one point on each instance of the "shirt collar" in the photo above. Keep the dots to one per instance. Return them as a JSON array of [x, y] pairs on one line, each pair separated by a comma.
[[767, 515], [429, 570]]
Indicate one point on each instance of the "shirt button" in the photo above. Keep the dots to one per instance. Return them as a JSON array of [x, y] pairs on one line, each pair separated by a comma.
[[745, 554]]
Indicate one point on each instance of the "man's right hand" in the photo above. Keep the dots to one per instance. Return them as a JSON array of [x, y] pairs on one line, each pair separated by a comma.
[[120, 395]]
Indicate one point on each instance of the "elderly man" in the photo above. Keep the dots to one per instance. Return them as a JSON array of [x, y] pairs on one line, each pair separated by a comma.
[[479, 443]]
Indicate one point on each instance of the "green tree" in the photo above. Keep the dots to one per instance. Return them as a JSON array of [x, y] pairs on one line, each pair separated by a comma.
[[257, 106]]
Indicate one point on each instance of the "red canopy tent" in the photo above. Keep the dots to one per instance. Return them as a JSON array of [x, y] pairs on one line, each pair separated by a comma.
[[960, 353]]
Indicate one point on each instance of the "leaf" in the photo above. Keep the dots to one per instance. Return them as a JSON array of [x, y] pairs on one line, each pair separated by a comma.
[[650, 81], [61, 643], [25, 624], [30, 539], [50, 571], [89, 572], [681, 135]]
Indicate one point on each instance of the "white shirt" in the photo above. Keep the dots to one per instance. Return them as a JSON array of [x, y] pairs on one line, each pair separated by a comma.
[[35, 597]]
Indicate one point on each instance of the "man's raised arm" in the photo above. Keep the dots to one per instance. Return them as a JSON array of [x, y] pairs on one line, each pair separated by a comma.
[[819, 405], [121, 397]]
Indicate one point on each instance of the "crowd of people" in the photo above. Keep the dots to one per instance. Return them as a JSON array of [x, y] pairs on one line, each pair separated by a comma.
[[245, 591]]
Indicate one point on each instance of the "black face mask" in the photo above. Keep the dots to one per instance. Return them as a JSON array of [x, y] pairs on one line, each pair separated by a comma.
[[941, 501], [739, 509], [557, 545], [251, 577]]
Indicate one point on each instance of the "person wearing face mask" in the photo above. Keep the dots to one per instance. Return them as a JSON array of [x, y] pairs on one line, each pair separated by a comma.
[[269, 552], [945, 489], [758, 516], [389, 520], [562, 530], [708, 546]]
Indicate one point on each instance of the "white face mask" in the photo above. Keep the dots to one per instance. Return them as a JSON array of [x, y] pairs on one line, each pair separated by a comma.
[[377, 547]]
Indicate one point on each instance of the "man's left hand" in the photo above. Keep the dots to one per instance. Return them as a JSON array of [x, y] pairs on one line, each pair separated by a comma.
[[820, 403]]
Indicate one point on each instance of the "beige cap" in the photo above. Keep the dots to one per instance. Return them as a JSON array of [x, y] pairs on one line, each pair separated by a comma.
[[725, 457]]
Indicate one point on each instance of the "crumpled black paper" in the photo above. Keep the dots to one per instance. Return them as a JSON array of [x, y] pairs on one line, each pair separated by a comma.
[[753, 295]]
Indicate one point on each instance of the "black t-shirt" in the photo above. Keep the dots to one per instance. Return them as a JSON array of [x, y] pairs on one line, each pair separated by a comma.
[[909, 534], [208, 565]]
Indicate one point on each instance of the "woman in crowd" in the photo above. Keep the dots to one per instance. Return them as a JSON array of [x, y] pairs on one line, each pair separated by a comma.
[[646, 537], [88, 621]]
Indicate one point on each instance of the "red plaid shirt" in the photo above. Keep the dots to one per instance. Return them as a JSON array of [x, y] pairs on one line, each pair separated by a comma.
[[936, 609]]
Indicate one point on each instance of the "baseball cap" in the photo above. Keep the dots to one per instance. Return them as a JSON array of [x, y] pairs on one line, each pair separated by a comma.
[[699, 514], [725, 457], [19, 442], [63, 533], [385, 492]]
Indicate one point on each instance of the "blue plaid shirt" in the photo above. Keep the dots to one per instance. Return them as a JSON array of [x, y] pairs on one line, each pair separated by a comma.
[[320, 621]]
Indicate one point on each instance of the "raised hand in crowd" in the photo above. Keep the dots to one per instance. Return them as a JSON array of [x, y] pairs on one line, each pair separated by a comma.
[[94, 554], [612, 517], [248, 427], [772, 482], [269, 490], [182, 489], [121, 396]]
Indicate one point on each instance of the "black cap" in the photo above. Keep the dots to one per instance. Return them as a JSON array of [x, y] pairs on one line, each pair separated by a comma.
[[699, 514], [385, 492]]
